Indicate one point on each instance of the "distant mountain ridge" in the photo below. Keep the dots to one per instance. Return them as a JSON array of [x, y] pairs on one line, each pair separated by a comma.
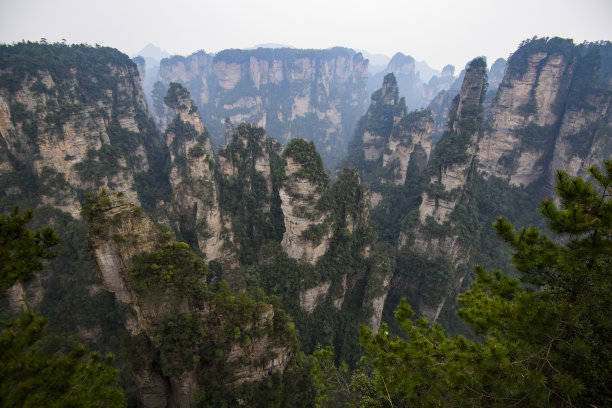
[[312, 94], [152, 52]]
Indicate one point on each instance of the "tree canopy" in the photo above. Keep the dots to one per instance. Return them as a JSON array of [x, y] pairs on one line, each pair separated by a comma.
[[29, 376], [22, 250]]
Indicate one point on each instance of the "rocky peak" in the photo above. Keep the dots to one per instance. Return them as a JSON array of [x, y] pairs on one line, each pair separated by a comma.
[[409, 145], [249, 146], [401, 64], [448, 71], [142, 67], [389, 93], [467, 107], [392, 139], [179, 99], [248, 167], [119, 231], [496, 73], [454, 153]]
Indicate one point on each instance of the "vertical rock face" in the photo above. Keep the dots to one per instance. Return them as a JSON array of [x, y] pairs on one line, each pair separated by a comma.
[[525, 101], [194, 210], [441, 103], [75, 126], [307, 228], [249, 192], [585, 132], [391, 139], [312, 94], [457, 149], [250, 149], [386, 106], [116, 235], [550, 112], [378, 285], [409, 143], [339, 242], [585, 136], [142, 67]]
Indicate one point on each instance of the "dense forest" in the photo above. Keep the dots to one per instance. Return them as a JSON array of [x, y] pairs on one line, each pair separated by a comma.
[[151, 268]]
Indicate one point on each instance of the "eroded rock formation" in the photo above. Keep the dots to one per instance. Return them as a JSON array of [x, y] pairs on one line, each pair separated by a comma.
[[299, 196], [60, 127], [123, 239], [194, 209], [390, 139]]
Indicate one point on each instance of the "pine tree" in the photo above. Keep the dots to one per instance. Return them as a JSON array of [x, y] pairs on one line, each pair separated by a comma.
[[31, 378], [547, 335], [28, 376], [22, 250]]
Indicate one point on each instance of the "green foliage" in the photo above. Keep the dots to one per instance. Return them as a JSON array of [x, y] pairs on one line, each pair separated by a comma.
[[61, 114], [347, 196], [534, 137], [257, 216], [236, 321], [103, 163], [380, 118], [182, 131], [36, 369], [334, 382], [451, 149], [94, 73], [22, 250], [93, 203], [305, 153], [328, 324], [581, 143], [315, 232], [100, 164], [86, 77], [434, 276], [413, 121], [296, 387], [29, 377], [177, 339], [518, 61], [174, 264], [176, 93], [196, 150]]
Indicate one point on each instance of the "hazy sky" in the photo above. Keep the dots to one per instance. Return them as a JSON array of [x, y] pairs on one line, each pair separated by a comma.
[[437, 31]]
